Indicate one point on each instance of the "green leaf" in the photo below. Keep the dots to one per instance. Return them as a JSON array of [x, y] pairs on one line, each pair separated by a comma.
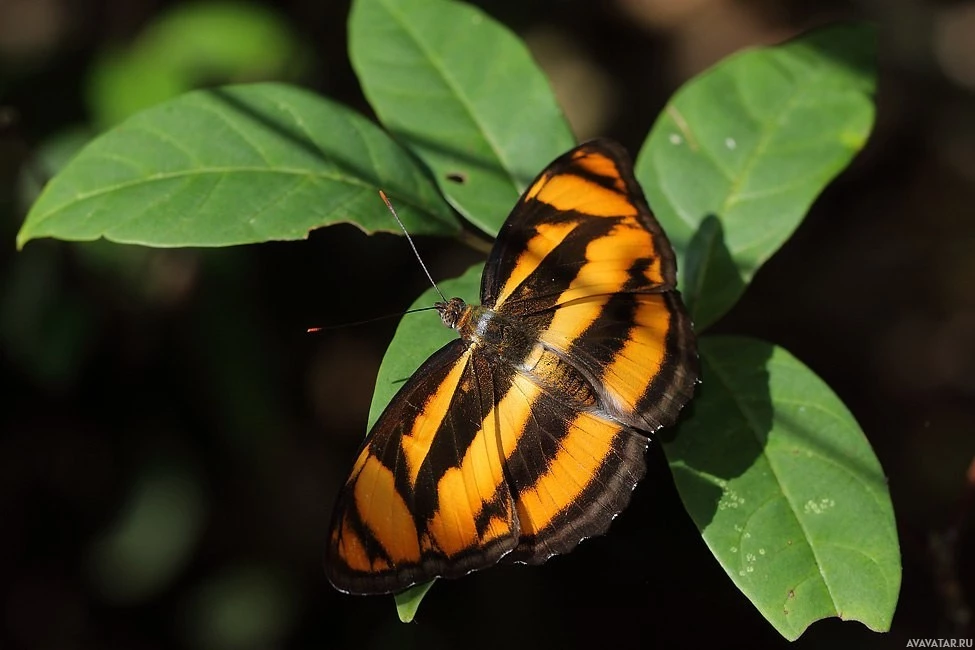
[[408, 602], [786, 490], [196, 44], [236, 165], [418, 336], [752, 142], [463, 93]]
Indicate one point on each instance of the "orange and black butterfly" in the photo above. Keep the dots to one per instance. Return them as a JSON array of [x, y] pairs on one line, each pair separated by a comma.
[[527, 434]]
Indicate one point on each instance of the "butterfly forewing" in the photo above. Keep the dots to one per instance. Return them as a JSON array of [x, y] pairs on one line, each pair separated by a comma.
[[581, 229], [584, 262]]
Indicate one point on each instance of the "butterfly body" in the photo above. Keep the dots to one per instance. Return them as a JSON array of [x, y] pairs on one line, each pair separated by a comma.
[[504, 341], [527, 434]]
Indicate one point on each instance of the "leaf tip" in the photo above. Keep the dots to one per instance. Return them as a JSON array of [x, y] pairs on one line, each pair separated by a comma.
[[853, 139], [407, 602], [22, 239]]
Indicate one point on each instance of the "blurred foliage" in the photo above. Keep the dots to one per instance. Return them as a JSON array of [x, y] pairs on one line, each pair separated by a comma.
[[153, 536], [192, 46], [873, 292]]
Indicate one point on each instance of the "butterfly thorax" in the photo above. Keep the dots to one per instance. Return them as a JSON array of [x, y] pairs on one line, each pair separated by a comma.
[[506, 340], [477, 324]]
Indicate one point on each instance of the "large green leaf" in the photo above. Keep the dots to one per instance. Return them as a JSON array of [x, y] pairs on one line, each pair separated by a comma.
[[786, 490], [236, 165], [462, 92], [752, 142]]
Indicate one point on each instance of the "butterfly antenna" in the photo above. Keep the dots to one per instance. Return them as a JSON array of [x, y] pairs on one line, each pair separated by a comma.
[[412, 245], [326, 328]]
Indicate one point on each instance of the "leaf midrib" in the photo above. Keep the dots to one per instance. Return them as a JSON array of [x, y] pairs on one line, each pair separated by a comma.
[[159, 177]]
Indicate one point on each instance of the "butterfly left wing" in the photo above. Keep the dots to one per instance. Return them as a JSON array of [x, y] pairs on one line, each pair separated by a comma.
[[427, 495], [474, 462]]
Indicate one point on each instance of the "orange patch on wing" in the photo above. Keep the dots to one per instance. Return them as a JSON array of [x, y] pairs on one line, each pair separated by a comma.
[[571, 320], [549, 235], [417, 441], [385, 513], [453, 529], [570, 192], [589, 442], [653, 273], [465, 490], [350, 548], [642, 356], [608, 262], [600, 165], [496, 529]]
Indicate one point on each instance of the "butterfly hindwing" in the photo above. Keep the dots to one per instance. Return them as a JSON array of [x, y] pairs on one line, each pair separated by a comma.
[[638, 349], [570, 470]]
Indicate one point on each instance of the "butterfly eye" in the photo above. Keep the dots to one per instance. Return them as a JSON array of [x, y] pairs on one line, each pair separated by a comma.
[[457, 177]]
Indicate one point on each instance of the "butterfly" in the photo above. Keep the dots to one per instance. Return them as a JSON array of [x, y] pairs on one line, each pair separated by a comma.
[[527, 434]]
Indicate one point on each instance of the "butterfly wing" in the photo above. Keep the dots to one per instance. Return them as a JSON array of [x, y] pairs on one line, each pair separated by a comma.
[[427, 496], [582, 228], [571, 470], [584, 265]]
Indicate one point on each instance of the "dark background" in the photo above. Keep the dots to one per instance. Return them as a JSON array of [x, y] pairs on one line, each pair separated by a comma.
[[171, 441]]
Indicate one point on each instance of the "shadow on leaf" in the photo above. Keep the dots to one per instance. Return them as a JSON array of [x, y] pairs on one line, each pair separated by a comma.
[[705, 451], [712, 283]]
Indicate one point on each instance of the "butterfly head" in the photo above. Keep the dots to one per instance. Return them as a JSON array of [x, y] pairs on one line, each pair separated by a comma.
[[452, 312]]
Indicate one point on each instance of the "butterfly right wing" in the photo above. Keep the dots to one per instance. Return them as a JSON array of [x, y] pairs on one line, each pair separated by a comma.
[[583, 265], [570, 469], [427, 496]]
